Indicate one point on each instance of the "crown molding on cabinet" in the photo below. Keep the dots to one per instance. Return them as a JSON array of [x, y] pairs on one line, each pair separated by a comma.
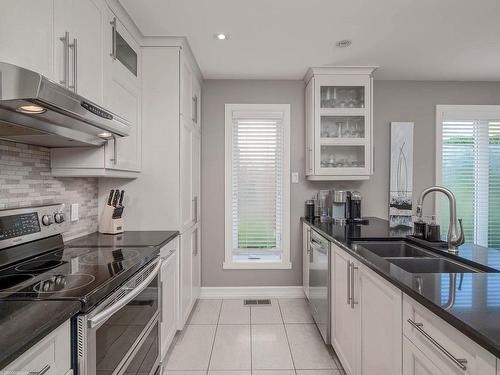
[[339, 70]]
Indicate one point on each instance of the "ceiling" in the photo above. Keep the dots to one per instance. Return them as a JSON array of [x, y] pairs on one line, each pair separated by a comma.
[[280, 39]]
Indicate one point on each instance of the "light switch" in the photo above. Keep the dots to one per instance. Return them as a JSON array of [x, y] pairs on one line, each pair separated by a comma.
[[295, 177], [74, 212]]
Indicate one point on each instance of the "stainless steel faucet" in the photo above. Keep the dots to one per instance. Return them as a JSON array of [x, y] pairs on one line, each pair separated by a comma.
[[454, 240]]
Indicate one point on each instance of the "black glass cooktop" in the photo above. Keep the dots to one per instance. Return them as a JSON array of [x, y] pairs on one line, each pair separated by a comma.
[[86, 274]]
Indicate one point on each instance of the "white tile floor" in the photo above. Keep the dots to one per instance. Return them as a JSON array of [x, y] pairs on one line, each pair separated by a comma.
[[224, 337]]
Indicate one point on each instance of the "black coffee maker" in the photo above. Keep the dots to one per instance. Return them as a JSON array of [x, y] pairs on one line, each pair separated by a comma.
[[353, 207]]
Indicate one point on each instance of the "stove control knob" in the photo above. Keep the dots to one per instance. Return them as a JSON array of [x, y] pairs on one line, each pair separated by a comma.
[[58, 217], [46, 220]]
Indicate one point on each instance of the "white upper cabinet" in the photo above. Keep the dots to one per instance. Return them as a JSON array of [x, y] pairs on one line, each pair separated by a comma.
[[27, 36], [109, 69], [339, 123], [78, 40]]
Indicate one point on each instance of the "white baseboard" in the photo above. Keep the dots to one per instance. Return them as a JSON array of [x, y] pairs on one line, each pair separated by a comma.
[[252, 292]]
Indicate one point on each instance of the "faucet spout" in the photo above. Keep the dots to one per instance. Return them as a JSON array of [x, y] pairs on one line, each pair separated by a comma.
[[454, 239]]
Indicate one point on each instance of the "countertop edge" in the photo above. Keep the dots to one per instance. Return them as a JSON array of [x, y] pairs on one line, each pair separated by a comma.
[[69, 313], [460, 325]]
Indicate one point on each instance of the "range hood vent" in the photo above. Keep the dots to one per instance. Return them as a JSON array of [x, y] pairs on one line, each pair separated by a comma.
[[35, 110]]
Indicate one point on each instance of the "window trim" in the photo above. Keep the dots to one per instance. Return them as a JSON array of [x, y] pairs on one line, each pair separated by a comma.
[[228, 134], [466, 111]]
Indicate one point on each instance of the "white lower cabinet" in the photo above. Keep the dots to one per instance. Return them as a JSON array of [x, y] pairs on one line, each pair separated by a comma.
[[345, 323], [449, 350], [50, 356], [378, 330], [190, 272], [169, 295], [381, 331], [416, 363], [306, 256], [366, 318]]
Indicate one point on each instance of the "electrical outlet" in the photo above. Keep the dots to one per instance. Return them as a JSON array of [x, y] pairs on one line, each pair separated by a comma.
[[74, 212], [295, 177]]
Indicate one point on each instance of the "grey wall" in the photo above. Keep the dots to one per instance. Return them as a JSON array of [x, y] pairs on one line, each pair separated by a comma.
[[393, 101]]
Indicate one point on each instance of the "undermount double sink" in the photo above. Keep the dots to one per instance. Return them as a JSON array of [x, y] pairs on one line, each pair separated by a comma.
[[415, 259]]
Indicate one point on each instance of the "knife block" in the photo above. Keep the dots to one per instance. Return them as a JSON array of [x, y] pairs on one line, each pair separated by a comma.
[[109, 224]]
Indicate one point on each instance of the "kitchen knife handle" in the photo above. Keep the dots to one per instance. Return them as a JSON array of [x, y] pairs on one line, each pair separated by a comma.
[[120, 203], [110, 198], [115, 198]]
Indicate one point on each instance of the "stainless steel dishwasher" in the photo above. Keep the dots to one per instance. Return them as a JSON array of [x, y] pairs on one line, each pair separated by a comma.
[[320, 283]]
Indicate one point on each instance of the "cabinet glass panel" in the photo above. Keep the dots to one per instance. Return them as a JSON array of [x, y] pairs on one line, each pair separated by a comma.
[[125, 54], [341, 156], [342, 97], [342, 127]]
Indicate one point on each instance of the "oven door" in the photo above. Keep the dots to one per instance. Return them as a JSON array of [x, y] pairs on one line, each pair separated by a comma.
[[122, 333]]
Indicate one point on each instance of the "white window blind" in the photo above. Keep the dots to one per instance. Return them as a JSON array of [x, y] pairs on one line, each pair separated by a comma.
[[257, 186], [470, 160], [257, 183]]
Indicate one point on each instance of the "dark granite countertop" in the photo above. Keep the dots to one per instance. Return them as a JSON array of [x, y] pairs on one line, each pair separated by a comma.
[[24, 323], [475, 310], [125, 239]]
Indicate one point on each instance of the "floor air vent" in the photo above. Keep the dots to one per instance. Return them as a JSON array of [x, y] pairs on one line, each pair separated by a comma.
[[257, 302]]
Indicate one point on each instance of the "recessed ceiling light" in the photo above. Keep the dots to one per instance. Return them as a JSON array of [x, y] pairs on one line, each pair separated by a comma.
[[104, 135], [31, 109], [343, 43], [222, 36]]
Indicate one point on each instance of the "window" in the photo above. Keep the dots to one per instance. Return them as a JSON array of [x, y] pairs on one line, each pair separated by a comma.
[[468, 163], [257, 211]]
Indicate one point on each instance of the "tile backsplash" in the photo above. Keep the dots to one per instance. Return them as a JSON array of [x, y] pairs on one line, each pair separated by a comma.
[[25, 180]]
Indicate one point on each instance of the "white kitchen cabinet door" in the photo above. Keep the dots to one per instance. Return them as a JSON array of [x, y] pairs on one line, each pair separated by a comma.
[[122, 93], [339, 123], [196, 103], [186, 94], [125, 153], [52, 355], [450, 350], [345, 327], [190, 151], [78, 52], [169, 300], [380, 305], [27, 35], [196, 265], [416, 363], [185, 277], [306, 256]]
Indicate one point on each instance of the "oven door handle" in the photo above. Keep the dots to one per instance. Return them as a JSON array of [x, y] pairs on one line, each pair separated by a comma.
[[109, 311]]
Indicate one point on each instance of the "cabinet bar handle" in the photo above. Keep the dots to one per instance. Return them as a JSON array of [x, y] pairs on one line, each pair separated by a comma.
[[115, 151], [348, 282], [65, 40], [113, 38], [353, 302], [460, 362], [41, 372], [74, 46]]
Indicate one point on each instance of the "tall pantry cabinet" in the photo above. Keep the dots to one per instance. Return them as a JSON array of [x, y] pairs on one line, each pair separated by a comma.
[[167, 194]]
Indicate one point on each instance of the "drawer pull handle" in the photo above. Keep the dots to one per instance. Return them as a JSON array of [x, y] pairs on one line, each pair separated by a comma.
[[41, 372], [460, 362]]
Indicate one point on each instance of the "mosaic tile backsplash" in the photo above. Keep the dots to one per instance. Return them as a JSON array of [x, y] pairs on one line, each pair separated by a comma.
[[25, 180]]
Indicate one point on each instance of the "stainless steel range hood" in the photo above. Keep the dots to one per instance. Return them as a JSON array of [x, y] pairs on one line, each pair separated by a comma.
[[37, 111]]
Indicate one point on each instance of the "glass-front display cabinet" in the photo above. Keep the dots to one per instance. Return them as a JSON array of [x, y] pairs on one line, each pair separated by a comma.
[[339, 143]]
